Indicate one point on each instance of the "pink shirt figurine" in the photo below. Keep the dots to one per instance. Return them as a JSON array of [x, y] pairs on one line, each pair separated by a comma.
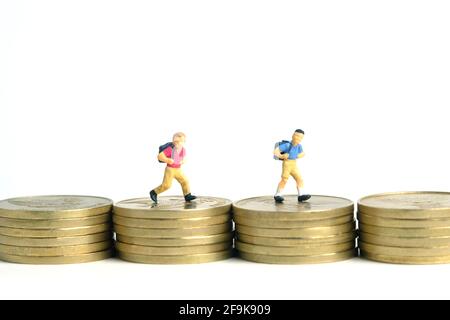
[[176, 155]]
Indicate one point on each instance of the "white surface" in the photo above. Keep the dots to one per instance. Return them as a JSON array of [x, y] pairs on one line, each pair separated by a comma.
[[90, 89]]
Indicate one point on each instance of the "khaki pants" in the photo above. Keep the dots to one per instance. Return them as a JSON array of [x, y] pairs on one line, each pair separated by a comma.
[[290, 169], [169, 175]]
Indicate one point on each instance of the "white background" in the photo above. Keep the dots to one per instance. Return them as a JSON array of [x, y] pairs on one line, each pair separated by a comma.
[[90, 89]]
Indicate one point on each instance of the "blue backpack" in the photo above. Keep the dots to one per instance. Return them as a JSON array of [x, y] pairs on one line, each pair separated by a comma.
[[279, 144], [164, 147]]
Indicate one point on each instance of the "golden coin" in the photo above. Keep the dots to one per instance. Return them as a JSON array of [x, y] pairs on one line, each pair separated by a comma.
[[325, 258], [185, 259], [407, 205], [317, 208], [405, 232], [296, 232], [289, 224], [402, 223], [79, 258], [172, 207], [294, 242], [305, 250], [405, 260], [55, 242], [55, 224], [171, 223], [55, 251], [54, 207], [55, 233], [170, 251], [410, 242], [176, 242], [408, 252], [173, 233]]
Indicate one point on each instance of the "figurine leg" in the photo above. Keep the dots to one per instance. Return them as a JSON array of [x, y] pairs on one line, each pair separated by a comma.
[[279, 195], [284, 179], [184, 182], [299, 180], [169, 175], [282, 183]]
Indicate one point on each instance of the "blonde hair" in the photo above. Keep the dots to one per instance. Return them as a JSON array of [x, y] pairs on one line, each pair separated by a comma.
[[179, 135]]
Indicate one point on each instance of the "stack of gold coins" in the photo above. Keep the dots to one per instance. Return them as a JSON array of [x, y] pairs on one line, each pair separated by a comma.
[[55, 229], [320, 230], [406, 227], [173, 231]]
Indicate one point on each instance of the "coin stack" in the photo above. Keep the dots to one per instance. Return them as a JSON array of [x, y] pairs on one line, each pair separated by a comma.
[[320, 230], [405, 228], [173, 231], [55, 229]]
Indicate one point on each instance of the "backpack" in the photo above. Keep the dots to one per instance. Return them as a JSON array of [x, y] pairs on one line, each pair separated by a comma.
[[279, 144], [164, 147]]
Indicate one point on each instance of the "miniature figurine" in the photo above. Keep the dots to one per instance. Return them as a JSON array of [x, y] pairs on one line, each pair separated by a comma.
[[289, 152], [173, 154]]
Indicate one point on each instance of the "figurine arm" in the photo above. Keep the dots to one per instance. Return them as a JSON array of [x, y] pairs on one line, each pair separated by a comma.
[[162, 157], [278, 154], [301, 155]]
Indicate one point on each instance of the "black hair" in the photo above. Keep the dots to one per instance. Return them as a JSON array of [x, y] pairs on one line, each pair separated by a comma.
[[300, 131]]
